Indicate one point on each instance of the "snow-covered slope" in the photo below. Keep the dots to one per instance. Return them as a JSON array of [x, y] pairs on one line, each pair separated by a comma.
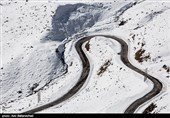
[[111, 90], [38, 54], [27, 64]]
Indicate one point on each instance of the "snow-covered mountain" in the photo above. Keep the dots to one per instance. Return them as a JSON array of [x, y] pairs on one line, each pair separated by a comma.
[[39, 62]]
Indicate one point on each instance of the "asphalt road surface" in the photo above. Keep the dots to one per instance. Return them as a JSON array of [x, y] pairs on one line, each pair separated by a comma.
[[85, 72]]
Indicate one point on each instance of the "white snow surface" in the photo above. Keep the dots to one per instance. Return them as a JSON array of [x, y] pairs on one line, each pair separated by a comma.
[[105, 92], [32, 31]]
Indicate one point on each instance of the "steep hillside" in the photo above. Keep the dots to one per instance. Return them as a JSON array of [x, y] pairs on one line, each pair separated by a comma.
[[39, 62]]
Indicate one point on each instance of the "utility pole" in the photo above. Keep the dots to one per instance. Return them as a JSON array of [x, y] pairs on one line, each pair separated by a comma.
[[39, 96], [145, 78]]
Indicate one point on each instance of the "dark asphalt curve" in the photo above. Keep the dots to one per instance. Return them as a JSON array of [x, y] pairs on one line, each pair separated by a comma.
[[86, 69]]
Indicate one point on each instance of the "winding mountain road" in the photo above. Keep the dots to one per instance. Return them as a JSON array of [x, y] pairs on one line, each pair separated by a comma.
[[86, 69]]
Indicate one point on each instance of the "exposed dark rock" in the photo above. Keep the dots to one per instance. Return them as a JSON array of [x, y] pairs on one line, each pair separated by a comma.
[[167, 68], [122, 23], [87, 46], [19, 92], [104, 67], [140, 57], [150, 108]]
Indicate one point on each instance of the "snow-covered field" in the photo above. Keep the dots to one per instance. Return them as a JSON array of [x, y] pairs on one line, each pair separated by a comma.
[[40, 64]]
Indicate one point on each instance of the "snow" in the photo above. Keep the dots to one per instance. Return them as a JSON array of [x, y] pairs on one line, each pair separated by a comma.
[[32, 31], [26, 60], [155, 35], [105, 93]]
